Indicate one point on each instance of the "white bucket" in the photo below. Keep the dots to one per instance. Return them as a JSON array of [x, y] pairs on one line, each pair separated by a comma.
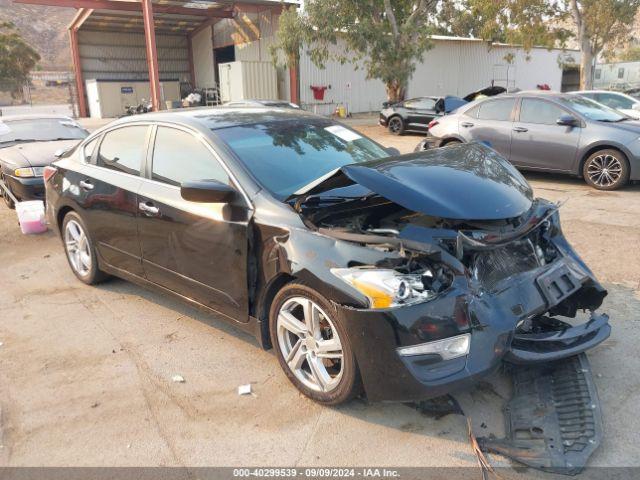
[[31, 216]]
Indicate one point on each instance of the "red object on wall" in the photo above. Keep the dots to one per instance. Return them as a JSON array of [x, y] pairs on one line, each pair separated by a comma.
[[318, 92]]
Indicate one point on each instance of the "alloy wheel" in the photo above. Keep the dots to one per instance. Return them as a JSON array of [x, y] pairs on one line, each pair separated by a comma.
[[395, 125], [310, 345], [604, 170], [78, 248]]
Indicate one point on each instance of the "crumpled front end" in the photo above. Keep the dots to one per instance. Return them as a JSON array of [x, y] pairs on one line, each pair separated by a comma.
[[496, 291]]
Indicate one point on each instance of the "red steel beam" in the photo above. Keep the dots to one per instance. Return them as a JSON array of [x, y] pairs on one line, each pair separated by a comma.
[[131, 6], [77, 22], [152, 53], [77, 68]]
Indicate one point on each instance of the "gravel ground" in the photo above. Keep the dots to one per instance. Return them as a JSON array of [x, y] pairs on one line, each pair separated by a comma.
[[86, 372]]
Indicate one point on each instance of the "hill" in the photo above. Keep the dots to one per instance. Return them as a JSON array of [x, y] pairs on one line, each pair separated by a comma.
[[44, 28]]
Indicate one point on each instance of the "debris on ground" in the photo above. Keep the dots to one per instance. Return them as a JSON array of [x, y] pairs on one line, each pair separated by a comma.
[[178, 379], [95, 404], [244, 389], [483, 462], [553, 420], [438, 407]]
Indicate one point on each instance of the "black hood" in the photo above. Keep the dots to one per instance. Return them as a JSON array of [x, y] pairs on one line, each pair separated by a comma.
[[465, 182]]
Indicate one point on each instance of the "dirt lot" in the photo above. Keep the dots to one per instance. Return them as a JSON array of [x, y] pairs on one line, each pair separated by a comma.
[[85, 372]]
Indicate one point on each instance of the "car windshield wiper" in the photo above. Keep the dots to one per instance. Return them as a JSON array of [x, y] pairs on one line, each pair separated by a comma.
[[622, 119], [18, 140]]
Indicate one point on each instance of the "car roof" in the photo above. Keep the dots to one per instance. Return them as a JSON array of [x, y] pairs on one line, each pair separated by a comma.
[[213, 118], [8, 118]]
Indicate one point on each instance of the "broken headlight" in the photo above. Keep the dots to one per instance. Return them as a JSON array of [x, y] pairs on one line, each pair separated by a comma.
[[386, 288]]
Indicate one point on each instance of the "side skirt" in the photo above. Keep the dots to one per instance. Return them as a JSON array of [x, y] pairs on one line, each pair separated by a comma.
[[252, 327]]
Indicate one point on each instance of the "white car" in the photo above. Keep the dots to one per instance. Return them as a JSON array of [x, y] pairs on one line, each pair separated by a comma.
[[620, 101]]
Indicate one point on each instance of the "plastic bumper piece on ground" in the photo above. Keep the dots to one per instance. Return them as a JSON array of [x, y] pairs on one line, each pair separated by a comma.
[[554, 420]]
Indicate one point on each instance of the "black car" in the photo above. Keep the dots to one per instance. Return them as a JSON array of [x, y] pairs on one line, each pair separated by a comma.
[[401, 277], [27, 144], [414, 115]]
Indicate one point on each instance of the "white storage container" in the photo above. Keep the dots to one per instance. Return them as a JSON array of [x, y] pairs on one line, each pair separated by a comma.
[[248, 80], [31, 216], [108, 99]]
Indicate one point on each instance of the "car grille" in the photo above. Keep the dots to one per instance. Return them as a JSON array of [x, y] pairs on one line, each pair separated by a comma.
[[493, 266]]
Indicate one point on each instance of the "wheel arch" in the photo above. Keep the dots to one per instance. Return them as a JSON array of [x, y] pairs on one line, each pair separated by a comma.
[[267, 295], [595, 148]]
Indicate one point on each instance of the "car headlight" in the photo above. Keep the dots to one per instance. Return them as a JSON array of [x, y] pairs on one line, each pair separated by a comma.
[[385, 288], [447, 348], [28, 172]]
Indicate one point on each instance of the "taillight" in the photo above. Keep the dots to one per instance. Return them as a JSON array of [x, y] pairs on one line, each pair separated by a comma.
[[48, 172], [432, 124]]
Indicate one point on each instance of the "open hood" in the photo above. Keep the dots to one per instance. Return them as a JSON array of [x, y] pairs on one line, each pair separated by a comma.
[[487, 92], [465, 182]]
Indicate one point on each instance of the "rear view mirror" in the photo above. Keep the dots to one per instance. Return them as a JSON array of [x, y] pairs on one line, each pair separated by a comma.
[[207, 191], [568, 121]]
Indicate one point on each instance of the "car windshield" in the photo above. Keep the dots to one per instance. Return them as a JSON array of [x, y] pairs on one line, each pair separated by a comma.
[[592, 110], [40, 130], [285, 156]]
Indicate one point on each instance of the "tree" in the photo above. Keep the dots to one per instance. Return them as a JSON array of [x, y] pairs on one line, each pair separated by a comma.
[[386, 37], [630, 54], [17, 59], [599, 24]]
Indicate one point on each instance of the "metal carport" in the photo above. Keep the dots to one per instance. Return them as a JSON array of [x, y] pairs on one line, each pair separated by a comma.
[[173, 22]]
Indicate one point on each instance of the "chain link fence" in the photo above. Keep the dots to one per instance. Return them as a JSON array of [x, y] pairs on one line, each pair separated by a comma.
[[44, 93]]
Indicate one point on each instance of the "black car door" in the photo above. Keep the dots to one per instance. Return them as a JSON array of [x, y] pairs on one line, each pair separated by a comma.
[[198, 250], [106, 188], [420, 111]]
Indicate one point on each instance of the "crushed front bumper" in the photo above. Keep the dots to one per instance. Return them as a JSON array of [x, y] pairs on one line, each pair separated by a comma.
[[493, 320], [29, 188]]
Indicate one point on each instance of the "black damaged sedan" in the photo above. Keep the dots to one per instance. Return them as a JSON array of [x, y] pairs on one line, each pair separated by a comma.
[[400, 278]]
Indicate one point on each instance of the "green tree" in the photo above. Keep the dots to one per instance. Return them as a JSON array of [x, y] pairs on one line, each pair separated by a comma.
[[17, 59], [599, 24], [384, 37], [529, 23], [630, 54]]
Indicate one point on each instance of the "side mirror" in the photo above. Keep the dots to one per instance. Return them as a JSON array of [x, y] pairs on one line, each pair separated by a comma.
[[58, 153], [392, 151], [207, 191], [568, 121]]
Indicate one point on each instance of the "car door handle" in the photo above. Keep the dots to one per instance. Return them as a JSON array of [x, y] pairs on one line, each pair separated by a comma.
[[86, 185], [467, 124], [148, 209], [520, 129]]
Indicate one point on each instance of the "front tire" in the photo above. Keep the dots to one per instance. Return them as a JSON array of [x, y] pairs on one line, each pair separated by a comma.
[[396, 125], [312, 345], [7, 199], [606, 170], [80, 251]]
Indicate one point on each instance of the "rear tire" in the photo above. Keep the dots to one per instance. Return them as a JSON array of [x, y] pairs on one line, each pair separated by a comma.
[[312, 345], [81, 253], [396, 125], [606, 169]]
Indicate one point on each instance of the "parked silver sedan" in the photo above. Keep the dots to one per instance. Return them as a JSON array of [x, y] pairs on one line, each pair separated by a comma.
[[549, 132]]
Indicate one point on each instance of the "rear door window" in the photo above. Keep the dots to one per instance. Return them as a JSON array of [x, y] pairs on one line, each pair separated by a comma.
[[496, 109], [539, 111], [180, 157], [123, 149]]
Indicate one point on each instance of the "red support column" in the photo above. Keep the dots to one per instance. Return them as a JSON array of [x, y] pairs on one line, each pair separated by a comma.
[[152, 53], [77, 68]]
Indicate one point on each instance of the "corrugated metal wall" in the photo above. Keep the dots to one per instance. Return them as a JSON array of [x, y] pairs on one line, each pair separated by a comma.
[[122, 56], [451, 67]]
